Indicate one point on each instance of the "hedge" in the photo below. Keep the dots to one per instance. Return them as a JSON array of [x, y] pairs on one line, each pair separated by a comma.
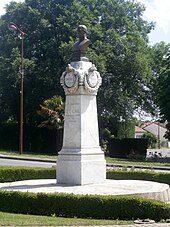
[[127, 148], [83, 206], [160, 177], [10, 174], [42, 140]]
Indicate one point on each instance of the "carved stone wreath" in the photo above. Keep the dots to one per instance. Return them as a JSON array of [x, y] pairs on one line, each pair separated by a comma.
[[92, 80], [69, 80]]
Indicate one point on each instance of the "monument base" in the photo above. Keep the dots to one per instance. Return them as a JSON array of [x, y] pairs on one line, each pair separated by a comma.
[[81, 167], [140, 188]]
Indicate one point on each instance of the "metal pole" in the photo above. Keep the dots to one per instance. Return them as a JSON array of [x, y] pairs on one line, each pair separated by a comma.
[[159, 145], [21, 98], [14, 27]]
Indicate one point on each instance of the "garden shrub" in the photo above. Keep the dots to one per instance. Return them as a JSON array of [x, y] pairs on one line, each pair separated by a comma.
[[160, 177], [131, 148], [9, 174], [83, 206], [42, 140], [126, 129], [151, 138]]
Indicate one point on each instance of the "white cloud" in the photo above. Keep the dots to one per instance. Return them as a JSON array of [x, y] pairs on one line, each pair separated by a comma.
[[3, 3], [159, 12]]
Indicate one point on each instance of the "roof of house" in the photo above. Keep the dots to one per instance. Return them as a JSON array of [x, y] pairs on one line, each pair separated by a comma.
[[155, 123], [139, 130]]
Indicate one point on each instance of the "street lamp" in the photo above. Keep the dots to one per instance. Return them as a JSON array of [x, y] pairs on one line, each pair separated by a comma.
[[159, 145], [14, 27]]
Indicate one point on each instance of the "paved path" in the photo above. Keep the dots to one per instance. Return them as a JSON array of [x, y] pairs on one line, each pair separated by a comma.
[[52, 162], [26, 163]]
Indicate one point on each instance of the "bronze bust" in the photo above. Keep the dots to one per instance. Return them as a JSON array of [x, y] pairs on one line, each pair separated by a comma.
[[80, 47]]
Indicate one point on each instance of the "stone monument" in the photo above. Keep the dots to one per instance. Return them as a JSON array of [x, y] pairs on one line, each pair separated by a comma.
[[81, 160]]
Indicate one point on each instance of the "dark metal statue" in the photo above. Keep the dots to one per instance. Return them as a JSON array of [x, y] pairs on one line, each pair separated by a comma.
[[80, 47]]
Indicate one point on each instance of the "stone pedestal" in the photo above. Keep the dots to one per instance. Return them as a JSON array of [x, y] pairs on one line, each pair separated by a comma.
[[81, 160]]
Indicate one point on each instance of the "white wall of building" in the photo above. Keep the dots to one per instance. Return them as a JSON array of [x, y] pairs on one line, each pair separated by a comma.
[[157, 130]]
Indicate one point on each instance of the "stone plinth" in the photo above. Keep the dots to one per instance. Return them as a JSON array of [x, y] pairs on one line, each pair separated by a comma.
[[81, 160], [139, 188]]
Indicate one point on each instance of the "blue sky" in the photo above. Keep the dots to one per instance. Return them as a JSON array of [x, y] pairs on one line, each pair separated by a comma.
[[156, 10], [159, 12]]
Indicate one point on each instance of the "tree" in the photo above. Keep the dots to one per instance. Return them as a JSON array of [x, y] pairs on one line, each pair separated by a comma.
[[163, 90], [126, 129], [152, 140], [42, 79], [120, 51], [10, 85], [52, 111], [159, 53]]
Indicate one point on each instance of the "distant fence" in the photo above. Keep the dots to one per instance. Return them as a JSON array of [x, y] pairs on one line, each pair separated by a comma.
[[34, 139], [126, 148]]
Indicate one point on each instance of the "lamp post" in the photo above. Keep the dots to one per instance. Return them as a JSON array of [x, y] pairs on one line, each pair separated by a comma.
[[159, 145], [14, 27]]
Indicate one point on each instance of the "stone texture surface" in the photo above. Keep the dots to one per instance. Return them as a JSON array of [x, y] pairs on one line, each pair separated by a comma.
[[81, 125], [81, 160], [145, 189], [80, 168]]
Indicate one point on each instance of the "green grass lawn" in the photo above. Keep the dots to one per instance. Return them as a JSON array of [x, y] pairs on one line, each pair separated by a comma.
[[29, 154], [134, 162], [8, 219]]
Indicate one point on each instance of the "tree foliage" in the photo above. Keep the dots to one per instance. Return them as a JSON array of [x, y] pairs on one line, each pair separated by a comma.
[[52, 111], [163, 87], [126, 129], [151, 138], [120, 51]]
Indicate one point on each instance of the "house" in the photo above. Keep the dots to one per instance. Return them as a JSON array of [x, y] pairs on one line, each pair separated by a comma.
[[157, 129], [139, 132]]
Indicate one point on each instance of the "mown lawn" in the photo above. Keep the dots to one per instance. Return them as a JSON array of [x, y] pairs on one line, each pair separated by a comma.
[[135, 162], [29, 154], [8, 219]]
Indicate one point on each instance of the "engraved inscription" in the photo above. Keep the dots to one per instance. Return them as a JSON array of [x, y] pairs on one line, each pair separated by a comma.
[[93, 79], [72, 109], [69, 79]]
